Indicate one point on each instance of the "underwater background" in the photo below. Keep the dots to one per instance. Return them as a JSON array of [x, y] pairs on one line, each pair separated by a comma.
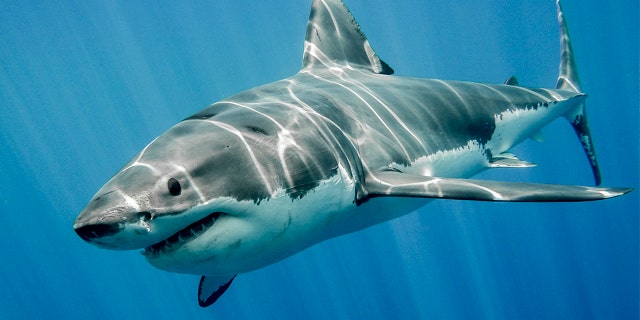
[[84, 85]]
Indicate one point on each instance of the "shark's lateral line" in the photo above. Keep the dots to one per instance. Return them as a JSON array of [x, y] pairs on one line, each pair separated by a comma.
[[338, 147]]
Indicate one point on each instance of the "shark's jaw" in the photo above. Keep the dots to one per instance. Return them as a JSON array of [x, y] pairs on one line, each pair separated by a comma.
[[154, 235], [183, 236]]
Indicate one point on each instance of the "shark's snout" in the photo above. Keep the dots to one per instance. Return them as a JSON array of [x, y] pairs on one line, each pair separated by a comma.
[[100, 233], [111, 220], [91, 232], [117, 235]]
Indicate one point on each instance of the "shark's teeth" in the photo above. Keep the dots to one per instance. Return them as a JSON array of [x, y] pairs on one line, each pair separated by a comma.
[[185, 235]]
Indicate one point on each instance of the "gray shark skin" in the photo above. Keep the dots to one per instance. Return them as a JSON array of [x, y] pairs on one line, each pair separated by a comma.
[[338, 147]]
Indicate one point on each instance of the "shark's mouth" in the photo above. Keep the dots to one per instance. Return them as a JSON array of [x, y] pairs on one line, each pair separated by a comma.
[[185, 235]]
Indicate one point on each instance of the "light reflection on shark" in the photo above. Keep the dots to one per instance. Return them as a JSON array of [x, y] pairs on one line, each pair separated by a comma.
[[338, 147]]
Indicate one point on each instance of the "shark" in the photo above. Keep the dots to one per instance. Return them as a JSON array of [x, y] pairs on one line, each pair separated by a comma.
[[338, 147]]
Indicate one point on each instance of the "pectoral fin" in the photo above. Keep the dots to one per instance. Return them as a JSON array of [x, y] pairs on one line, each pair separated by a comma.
[[211, 288], [396, 184]]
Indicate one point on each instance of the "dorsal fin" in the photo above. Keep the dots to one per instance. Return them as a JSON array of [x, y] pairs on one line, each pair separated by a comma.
[[512, 81], [334, 39]]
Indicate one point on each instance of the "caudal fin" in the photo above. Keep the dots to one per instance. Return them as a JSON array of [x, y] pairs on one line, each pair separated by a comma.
[[568, 80]]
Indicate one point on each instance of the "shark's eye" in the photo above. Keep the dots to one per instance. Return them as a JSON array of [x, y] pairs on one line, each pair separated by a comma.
[[174, 187]]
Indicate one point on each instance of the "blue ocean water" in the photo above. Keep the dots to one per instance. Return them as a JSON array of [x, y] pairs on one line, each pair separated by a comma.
[[84, 85]]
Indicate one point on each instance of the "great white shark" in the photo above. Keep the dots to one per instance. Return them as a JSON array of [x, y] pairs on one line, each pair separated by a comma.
[[340, 146]]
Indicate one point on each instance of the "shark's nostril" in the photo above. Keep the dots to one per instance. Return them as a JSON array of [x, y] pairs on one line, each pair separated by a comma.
[[93, 231]]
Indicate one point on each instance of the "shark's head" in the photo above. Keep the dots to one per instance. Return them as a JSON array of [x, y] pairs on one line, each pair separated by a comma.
[[206, 195], [197, 181]]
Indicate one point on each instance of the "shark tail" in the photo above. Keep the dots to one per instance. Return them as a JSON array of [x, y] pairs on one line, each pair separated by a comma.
[[568, 80]]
